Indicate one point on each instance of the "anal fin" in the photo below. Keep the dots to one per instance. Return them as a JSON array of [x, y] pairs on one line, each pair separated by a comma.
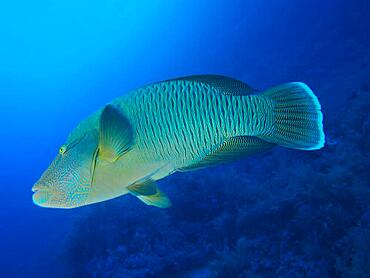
[[231, 149]]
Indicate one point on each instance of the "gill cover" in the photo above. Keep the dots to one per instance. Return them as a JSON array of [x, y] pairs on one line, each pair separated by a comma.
[[115, 137]]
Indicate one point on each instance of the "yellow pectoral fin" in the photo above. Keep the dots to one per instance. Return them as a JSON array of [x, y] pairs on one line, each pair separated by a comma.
[[116, 134]]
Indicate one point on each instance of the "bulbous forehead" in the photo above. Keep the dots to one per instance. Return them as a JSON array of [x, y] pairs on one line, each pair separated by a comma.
[[87, 126]]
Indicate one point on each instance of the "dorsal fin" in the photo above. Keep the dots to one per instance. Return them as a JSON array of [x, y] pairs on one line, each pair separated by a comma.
[[224, 84], [232, 149]]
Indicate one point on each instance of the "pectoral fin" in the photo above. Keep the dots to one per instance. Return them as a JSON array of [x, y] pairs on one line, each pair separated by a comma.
[[116, 134], [149, 193]]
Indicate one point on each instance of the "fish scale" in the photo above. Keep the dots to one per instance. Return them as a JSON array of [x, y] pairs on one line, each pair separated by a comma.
[[205, 116]]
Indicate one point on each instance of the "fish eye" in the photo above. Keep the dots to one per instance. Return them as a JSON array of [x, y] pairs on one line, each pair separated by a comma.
[[62, 149]]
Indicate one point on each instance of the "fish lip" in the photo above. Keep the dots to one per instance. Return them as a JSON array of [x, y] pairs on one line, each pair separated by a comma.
[[41, 198], [38, 187]]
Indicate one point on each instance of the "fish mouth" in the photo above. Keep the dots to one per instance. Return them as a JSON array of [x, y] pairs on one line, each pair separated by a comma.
[[39, 187], [41, 194]]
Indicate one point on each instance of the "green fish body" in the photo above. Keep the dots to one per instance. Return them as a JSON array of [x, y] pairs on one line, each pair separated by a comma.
[[180, 125]]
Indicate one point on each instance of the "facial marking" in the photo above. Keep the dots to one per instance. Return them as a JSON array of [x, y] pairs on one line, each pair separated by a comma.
[[67, 181]]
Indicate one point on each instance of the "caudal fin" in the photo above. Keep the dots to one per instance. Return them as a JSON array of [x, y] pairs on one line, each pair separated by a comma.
[[297, 117]]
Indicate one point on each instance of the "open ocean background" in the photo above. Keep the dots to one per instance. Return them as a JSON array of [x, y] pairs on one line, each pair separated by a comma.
[[285, 213]]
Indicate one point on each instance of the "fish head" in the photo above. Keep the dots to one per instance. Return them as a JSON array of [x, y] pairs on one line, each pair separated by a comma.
[[66, 183]]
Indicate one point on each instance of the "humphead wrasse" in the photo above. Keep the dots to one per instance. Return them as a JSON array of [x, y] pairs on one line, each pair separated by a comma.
[[182, 124]]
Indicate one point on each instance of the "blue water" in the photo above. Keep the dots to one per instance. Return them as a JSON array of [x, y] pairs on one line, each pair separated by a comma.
[[285, 213]]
